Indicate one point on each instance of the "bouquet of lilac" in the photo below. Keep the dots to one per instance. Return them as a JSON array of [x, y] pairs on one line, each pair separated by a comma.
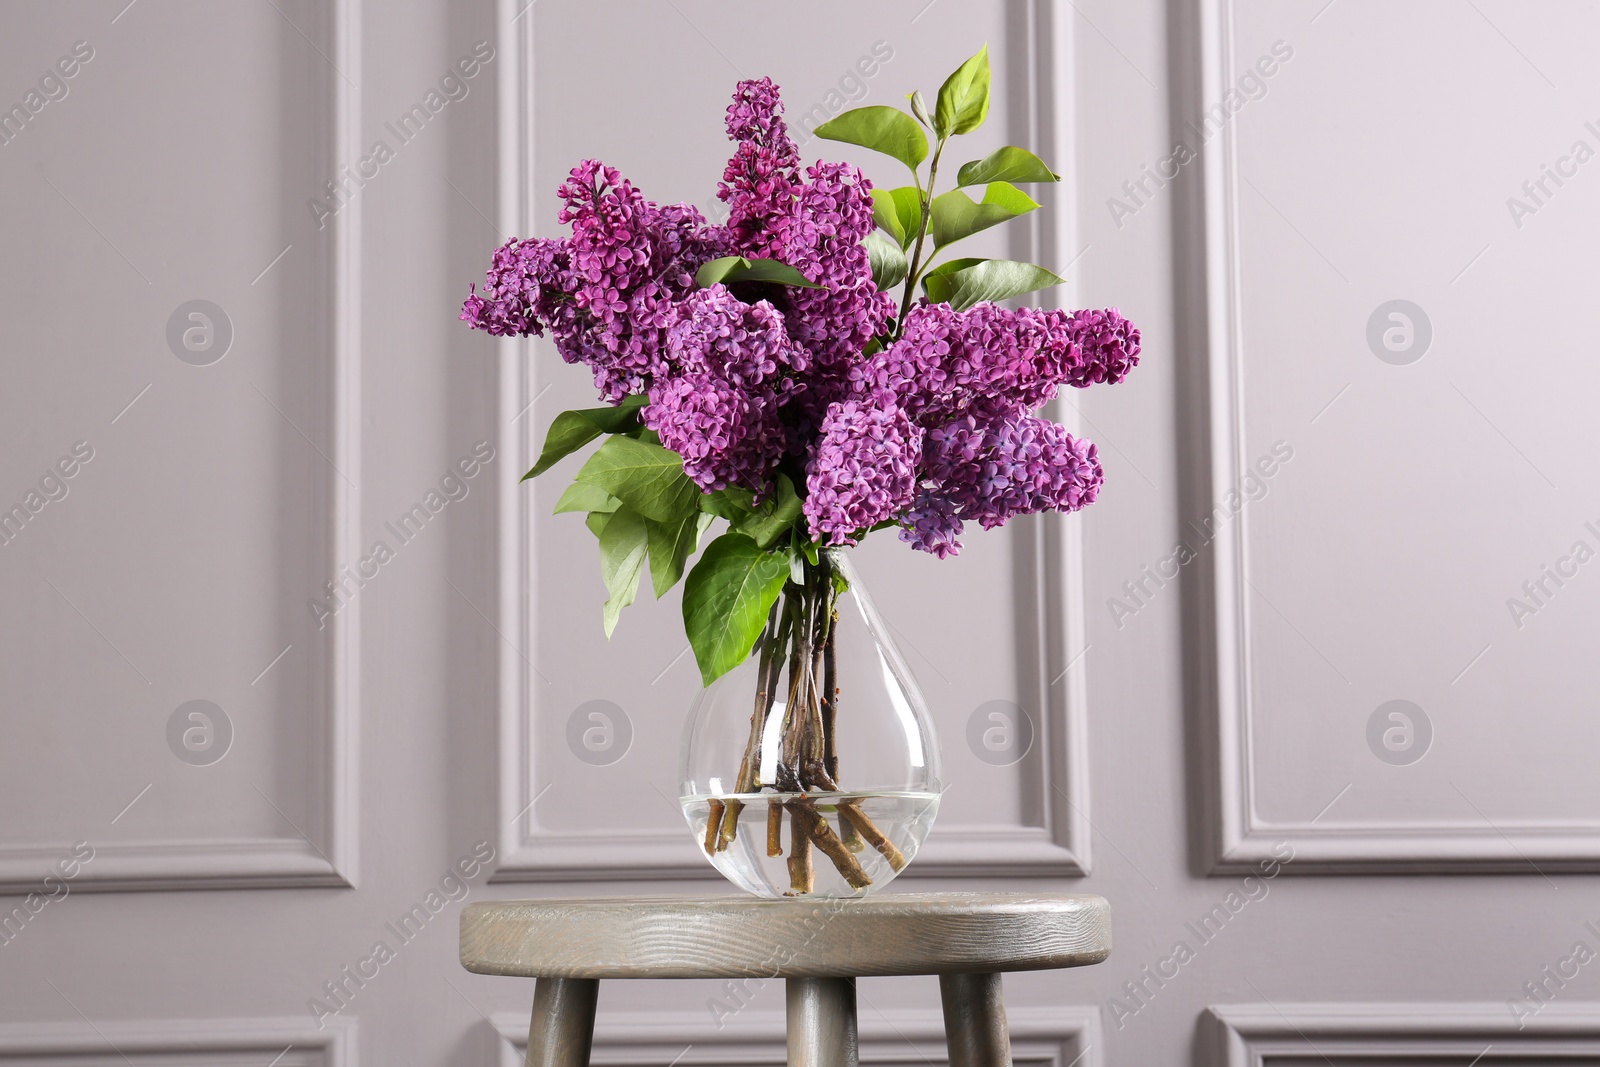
[[761, 372]]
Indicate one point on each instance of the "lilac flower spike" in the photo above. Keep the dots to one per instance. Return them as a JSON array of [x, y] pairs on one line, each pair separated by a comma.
[[863, 471]]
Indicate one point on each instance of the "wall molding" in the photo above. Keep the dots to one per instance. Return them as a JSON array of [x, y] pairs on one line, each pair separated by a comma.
[[1040, 1037], [1050, 550], [1257, 1035], [1240, 837], [168, 1042], [328, 857]]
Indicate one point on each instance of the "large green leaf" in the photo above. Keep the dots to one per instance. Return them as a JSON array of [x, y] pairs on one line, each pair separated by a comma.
[[731, 269], [889, 264], [898, 212], [1008, 164], [581, 496], [671, 545], [882, 129], [951, 266], [623, 541], [991, 279], [647, 478], [731, 503], [963, 101], [956, 215], [887, 218], [774, 515], [726, 599], [571, 430]]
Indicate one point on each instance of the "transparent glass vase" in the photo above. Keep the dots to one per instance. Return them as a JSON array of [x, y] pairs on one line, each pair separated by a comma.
[[812, 769]]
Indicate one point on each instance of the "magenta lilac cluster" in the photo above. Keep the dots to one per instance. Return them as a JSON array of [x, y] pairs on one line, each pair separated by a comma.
[[932, 430]]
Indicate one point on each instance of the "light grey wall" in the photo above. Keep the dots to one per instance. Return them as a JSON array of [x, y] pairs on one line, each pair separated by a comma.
[[1199, 723]]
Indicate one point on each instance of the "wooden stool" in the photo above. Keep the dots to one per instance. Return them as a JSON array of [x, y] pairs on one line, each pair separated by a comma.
[[820, 948]]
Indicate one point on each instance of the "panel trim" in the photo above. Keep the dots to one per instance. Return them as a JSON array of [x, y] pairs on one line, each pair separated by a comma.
[[330, 859], [1254, 1035], [1059, 790], [1067, 1036], [1241, 838], [157, 1041]]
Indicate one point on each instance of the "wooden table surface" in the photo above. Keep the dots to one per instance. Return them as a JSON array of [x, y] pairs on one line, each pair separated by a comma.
[[734, 937]]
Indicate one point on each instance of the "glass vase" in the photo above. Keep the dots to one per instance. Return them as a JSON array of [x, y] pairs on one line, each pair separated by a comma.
[[812, 769]]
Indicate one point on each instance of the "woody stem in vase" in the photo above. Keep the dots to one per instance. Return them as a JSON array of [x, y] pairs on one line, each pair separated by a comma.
[[801, 632]]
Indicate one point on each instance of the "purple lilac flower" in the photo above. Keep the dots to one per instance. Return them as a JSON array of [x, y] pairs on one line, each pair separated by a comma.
[[762, 179], [832, 215], [990, 473], [862, 472], [744, 344], [1110, 345], [633, 261], [527, 288], [932, 526], [815, 224], [990, 360], [726, 434]]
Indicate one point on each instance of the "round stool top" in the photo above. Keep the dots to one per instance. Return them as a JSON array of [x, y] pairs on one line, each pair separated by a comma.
[[739, 937]]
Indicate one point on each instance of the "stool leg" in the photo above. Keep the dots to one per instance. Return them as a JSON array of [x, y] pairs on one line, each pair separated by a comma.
[[822, 1022], [975, 1020], [562, 1027]]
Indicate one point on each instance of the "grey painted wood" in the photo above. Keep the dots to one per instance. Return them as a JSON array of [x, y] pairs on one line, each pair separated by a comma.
[[975, 1020], [822, 1022], [561, 1029], [727, 937]]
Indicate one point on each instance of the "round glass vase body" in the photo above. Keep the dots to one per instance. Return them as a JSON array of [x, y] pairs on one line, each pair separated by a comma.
[[812, 769]]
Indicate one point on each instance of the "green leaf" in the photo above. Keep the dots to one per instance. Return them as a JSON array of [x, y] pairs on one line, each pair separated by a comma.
[[623, 541], [898, 212], [581, 496], [882, 129], [731, 269], [731, 503], [571, 430], [647, 478], [991, 279], [1008, 164], [955, 215], [964, 97], [889, 264], [951, 266], [885, 215], [596, 521], [919, 108], [767, 522], [726, 599], [671, 545]]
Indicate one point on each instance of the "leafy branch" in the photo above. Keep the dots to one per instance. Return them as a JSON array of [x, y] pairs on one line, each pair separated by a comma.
[[908, 216]]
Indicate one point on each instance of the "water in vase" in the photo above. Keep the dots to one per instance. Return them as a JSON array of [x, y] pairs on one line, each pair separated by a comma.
[[848, 843]]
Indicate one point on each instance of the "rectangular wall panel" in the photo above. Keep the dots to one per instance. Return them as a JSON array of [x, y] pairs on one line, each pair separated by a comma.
[[1337, 1034], [178, 1043], [183, 695], [1397, 661]]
